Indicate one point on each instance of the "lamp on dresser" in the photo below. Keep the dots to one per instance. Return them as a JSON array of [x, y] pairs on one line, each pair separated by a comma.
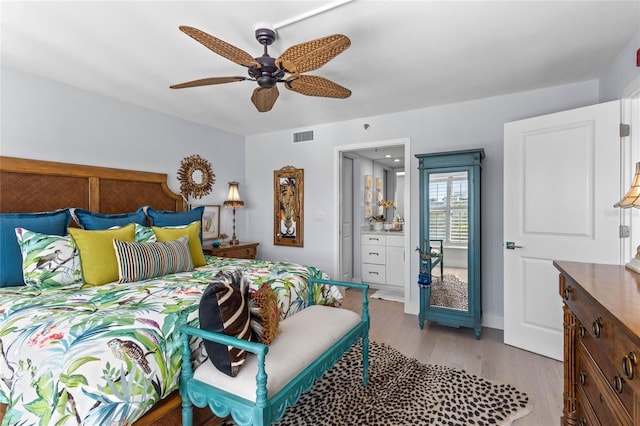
[[234, 202], [632, 199]]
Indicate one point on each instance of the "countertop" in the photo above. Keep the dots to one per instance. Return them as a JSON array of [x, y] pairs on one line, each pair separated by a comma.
[[383, 232]]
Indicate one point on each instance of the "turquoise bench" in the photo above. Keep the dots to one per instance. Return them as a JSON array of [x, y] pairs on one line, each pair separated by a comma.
[[437, 256], [309, 344]]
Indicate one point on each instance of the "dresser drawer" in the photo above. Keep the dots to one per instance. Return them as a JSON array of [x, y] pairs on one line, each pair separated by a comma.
[[585, 415], [240, 251], [373, 239], [374, 274], [612, 372], [605, 402], [608, 344], [374, 254]]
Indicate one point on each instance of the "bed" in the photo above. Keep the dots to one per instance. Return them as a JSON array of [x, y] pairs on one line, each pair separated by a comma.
[[109, 354]]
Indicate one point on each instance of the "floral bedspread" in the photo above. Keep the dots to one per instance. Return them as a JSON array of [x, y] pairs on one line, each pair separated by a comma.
[[104, 355]]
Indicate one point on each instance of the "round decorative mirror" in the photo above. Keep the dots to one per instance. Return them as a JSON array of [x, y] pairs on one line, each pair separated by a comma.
[[195, 176]]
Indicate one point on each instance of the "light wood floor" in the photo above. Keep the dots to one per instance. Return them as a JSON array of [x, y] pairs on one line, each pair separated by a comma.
[[540, 377]]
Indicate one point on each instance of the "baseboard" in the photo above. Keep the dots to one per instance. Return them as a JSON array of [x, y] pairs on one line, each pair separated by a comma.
[[493, 321]]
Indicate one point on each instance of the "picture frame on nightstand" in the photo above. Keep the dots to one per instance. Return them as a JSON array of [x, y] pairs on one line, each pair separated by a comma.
[[210, 221]]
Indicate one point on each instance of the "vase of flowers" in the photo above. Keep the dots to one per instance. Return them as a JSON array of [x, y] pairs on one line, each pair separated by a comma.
[[377, 222]]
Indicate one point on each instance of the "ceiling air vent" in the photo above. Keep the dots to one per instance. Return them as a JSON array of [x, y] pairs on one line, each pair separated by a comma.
[[303, 136]]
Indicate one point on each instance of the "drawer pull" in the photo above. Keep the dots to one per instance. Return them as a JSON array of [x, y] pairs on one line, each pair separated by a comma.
[[567, 292], [618, 383], [628, 362], [596, 327], [374, 239], [582, 378], [373, 273], [372, 253], [581, 331]]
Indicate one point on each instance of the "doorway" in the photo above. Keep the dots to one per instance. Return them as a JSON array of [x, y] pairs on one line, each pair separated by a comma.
[[352, 209]]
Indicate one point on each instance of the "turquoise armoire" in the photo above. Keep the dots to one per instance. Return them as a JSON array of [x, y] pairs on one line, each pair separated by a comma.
[[449, 251]]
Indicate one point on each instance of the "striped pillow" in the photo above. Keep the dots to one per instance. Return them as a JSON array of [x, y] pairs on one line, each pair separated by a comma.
[[140, 261], [225, 307]]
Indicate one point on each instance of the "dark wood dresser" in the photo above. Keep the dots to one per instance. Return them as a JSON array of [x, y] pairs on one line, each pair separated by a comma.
[[239, 251], [601, 344]]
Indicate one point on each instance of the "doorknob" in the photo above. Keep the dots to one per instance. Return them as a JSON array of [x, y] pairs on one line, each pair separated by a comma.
[[511, 245]]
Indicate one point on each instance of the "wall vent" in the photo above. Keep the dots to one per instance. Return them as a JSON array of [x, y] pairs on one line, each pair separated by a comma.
[[303, 136]]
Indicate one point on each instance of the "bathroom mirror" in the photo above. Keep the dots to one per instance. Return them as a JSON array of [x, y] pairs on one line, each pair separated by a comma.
[[449, 253]]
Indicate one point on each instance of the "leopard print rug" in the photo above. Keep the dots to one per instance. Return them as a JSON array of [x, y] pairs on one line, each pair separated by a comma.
[[451, 292], [403, 391]]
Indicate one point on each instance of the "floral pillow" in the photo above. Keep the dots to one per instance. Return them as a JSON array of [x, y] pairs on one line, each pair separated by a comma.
[[144, 234], [48, 260]]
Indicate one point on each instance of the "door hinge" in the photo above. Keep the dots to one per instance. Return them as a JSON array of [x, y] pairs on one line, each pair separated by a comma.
[[625, 130], [624, 231]]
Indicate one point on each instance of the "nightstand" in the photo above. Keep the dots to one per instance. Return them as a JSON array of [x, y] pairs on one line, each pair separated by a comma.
[[239, 251]]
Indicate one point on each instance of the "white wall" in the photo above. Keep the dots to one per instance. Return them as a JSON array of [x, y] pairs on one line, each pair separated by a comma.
[[620, 72], [465, 125], [46, 120]]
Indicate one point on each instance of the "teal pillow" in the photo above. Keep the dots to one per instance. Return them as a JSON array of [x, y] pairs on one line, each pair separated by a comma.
[[50, 223], [48, 260], [163, 218], [93, 221]]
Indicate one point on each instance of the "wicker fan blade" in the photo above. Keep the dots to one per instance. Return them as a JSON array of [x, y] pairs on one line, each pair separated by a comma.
[[312, 85], [220, 47], [313, 54], [264, 99], [207, 82]]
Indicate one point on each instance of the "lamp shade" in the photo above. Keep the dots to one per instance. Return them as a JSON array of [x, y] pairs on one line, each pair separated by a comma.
[[632, 197], [233, 199]]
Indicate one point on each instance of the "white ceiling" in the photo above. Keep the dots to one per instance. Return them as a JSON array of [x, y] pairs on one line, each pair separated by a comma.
[[404, 54]]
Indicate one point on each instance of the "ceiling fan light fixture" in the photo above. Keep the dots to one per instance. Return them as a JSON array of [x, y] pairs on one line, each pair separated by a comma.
[[266, 81]]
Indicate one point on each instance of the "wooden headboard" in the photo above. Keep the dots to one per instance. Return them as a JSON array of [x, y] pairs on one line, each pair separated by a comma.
[[36, 186]]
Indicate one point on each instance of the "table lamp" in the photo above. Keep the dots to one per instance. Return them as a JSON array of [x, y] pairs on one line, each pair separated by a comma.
[[234, 202], [632, 199]]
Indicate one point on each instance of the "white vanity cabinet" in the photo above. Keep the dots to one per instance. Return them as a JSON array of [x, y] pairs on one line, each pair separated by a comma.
[[394, 274], [383, 259]]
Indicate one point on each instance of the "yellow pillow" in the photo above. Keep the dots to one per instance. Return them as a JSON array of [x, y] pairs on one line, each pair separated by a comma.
[[192, 231], [97, 255]]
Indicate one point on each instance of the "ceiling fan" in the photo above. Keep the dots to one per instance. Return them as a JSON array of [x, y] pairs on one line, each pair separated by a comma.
[[288, 68]]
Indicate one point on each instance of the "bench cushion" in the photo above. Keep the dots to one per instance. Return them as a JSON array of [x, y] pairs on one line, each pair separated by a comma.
[[303, 338]]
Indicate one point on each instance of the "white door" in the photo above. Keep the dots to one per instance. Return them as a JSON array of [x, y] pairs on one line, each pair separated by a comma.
[[346, 220], [561, 179]]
